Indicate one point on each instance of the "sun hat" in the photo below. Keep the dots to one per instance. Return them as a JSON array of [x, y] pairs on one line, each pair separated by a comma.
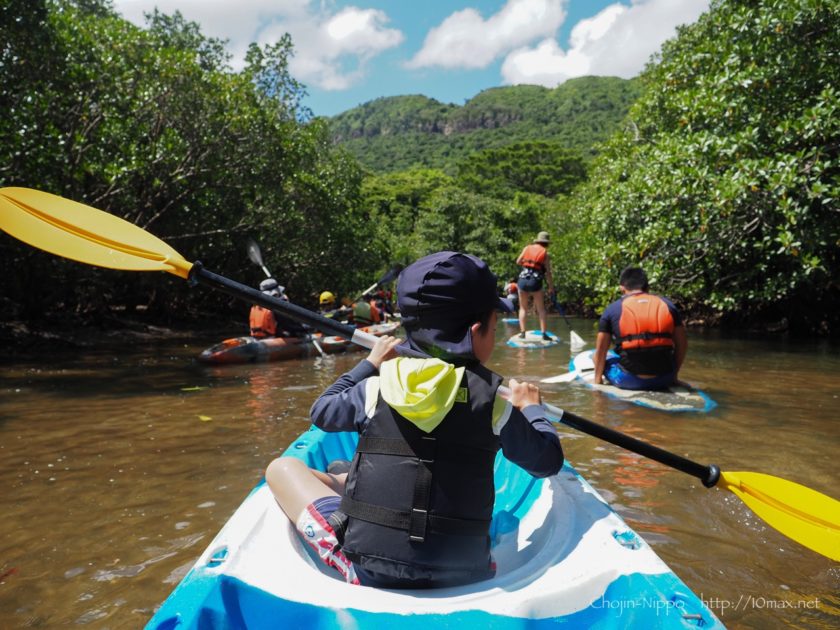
[[268, 285], [542, 238], [440, 296]]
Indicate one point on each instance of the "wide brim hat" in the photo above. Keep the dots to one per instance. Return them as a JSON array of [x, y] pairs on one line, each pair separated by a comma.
[[542, 238]]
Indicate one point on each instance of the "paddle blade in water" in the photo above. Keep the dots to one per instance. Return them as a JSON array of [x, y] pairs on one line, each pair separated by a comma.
[[254, 253], [76, 231], [805, 515], [568, 377]]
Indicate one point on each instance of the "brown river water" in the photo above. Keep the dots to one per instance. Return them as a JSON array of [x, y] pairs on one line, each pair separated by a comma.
[[119, 465]]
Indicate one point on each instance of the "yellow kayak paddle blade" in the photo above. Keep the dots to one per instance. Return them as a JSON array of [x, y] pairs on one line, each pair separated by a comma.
[[76, 231], [800, 513]]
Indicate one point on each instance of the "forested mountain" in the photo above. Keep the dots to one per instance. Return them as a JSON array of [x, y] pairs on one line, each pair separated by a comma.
[[399, 132], [718, 169]]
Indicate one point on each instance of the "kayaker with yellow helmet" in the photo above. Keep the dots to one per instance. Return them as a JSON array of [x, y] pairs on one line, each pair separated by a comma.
[[327, 306]]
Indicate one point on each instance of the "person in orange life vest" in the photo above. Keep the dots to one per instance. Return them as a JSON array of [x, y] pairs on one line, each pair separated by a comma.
[[366, 312], [265, 323], [649, 334], [512, 291], [536, 266], [384, 303], [413, 509]]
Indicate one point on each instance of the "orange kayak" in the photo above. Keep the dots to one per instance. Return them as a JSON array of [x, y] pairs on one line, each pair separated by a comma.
[[253, 350]]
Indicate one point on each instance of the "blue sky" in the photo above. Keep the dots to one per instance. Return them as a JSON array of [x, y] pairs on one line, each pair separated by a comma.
[[352, 51]]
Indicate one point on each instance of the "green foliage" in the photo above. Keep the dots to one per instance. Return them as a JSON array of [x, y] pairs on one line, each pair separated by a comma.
[[401, 132], [540, 168], [726, 186], [422, 211], [723, 181], [394, 202], [153, 126]]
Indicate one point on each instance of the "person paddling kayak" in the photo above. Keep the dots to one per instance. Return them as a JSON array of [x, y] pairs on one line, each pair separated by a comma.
[[366, 312], [414, 510], [327, 307], [264, 323], [649, 334], [512, 291]]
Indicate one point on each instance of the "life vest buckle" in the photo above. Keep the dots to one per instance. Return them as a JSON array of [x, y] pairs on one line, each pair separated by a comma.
[[427, 449], [417, 525]]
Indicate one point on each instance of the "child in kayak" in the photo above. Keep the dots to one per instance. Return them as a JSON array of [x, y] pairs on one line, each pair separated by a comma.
[[414, 510]]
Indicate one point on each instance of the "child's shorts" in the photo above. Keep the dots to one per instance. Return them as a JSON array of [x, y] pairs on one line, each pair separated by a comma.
[[313, 525]]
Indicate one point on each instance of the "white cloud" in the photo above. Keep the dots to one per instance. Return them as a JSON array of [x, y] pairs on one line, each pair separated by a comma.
[[331, 48], [466, 40], [618, 41], [331, 51]]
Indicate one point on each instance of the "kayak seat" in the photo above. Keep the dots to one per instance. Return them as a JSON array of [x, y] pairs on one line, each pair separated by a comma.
[[562, 553], [551, 531]]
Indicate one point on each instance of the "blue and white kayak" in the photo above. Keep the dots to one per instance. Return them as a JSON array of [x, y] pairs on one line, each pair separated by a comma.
[[563, 556], [533, 339], [675, 398]]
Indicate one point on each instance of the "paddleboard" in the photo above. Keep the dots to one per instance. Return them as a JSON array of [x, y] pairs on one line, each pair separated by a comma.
[[511, 320], [676, 398], [534, 340]]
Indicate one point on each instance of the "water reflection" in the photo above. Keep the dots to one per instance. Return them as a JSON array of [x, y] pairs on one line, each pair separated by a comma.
[[121, 464]]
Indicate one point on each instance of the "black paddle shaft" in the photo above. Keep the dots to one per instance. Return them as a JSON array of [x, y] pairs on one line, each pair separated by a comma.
[[560, 310], [709, 475], [199, 275]]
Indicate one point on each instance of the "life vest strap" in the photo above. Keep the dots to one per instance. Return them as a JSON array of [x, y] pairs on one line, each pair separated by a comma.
[[645, 336], [416, 521], [461, 453], [402, 519]]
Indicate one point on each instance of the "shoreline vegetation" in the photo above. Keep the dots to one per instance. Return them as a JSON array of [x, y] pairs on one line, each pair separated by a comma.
[[717, 169], [58, 331]]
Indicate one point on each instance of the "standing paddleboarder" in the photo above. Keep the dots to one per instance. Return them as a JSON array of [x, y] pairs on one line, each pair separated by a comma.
[[536, 266]]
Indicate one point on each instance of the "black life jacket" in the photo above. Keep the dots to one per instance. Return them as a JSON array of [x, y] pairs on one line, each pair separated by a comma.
[[420, 504]]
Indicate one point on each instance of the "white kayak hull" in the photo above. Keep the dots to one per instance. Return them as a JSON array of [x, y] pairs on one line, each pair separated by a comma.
[[563, 556]]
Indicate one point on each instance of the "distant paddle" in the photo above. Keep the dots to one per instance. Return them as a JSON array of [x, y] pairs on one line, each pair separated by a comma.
[[389, 276], [576, 342], [255, 255], [82, 233]]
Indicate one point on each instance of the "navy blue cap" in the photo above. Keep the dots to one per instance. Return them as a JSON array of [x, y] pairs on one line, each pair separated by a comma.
[[440, 296]]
